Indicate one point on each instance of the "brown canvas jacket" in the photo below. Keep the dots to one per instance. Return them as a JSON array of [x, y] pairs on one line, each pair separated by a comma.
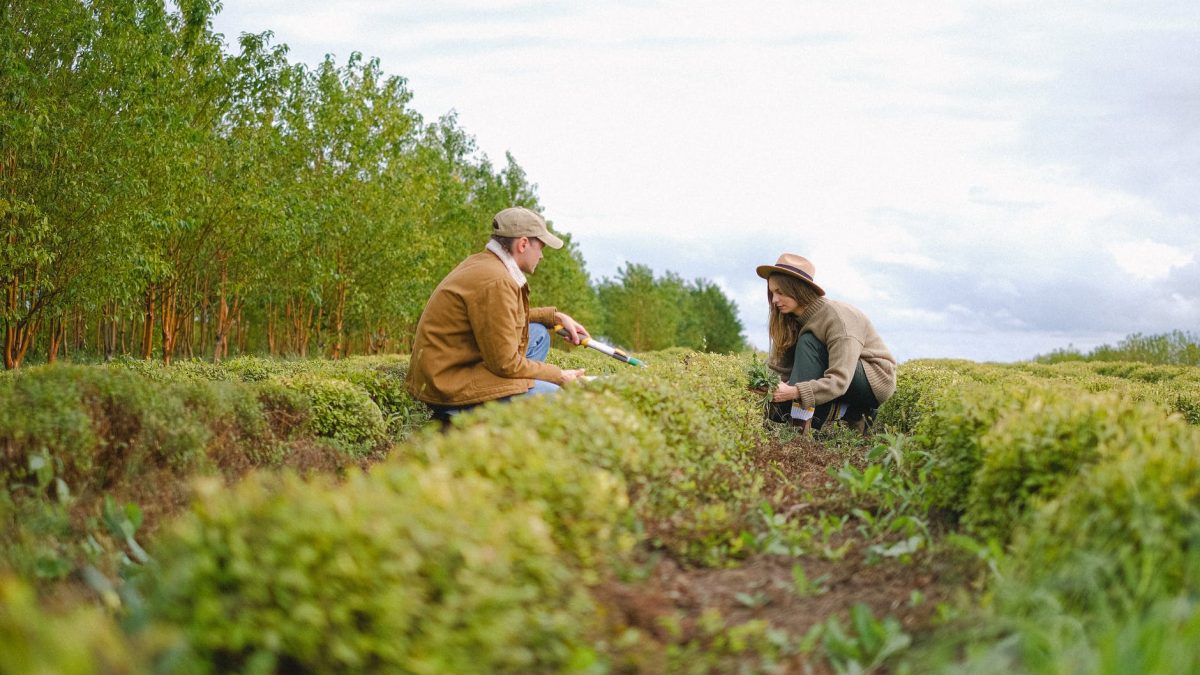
[[471, 338]]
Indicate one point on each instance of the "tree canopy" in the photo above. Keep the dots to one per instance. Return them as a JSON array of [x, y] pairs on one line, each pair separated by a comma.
[[164, 196]]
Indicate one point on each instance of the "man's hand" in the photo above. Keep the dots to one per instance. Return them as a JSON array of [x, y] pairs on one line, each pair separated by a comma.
[[785, 392], [575, 330], [572, 375]]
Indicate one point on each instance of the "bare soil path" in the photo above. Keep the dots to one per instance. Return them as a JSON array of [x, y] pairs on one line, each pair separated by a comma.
[[765, 587]]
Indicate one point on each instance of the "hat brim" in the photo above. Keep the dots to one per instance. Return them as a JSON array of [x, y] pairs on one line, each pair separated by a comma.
[[765, 271], [551, 240]]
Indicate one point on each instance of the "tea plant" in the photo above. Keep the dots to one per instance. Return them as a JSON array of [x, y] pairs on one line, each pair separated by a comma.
[[865, 644]]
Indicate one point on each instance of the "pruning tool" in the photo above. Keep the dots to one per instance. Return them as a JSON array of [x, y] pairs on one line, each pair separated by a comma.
[[600, 347]]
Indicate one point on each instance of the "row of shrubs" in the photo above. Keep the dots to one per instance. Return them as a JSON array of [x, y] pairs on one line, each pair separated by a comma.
[[1088, 476], [89, 421], [89, 455], [470, 551]]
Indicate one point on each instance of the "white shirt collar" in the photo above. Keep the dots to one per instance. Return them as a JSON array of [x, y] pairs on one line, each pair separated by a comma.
[[506, 257]]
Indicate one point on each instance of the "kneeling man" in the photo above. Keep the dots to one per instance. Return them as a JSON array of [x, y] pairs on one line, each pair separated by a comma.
[[477, 339]]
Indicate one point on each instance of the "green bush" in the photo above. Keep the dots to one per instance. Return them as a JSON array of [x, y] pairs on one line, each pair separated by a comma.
[[80, 642], [709, 423], [1032, 452], [404, 570], [1126, 532], [584, 454], [99, 427], [920, 386], [950, 435], [341, 411]]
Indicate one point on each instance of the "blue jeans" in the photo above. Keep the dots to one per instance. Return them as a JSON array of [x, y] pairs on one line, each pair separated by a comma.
[[538, 349]]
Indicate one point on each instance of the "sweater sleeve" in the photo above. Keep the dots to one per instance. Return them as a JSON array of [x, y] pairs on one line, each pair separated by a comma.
[[844, 353], [497, 322]]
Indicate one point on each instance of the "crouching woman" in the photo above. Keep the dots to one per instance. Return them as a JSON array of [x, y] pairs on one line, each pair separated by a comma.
[[835, 364]]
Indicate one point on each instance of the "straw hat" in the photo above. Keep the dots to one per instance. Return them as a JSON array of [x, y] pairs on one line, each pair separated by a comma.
[[795, 266]]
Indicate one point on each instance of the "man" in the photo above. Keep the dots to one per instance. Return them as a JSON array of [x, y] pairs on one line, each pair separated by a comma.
[[477, 339]]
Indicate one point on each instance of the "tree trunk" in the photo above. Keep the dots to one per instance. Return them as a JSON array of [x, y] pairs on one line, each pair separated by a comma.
[[123, 328], [169, 321], [18, 334], [339, 322], [58, 335], [109, 328], [300, 320], [221, 329], [271, 317], [148, 325], [241, 326]]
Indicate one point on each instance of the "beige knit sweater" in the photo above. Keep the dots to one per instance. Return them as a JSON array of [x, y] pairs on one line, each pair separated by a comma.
[[850, 337]]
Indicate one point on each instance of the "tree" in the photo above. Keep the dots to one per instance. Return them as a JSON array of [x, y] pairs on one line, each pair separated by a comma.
[[647, 313]]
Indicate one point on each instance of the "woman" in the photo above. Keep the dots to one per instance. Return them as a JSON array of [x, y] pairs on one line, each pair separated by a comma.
[[837, 366]]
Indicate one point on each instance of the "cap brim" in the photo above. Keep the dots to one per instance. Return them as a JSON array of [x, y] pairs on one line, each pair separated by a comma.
[[765, 271], [551, 240]]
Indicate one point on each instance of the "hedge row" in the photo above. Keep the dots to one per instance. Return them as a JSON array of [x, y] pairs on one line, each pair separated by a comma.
[[1099, 493], [72, 436], [470, 551], [91, 421]]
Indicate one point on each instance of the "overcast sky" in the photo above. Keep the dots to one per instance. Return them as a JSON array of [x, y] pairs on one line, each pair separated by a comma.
[[986, 180]]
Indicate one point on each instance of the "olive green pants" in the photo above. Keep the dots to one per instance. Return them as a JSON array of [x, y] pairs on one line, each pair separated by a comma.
[[810, 360]]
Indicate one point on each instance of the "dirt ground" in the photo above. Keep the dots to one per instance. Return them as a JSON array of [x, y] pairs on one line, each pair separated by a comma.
[[762, 587]]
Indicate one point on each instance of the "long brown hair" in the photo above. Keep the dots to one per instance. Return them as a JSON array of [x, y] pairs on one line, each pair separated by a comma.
[[784, 329]]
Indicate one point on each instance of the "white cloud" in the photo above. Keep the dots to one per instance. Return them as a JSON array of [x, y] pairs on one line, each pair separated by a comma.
[[961, 170], [1148, 260]]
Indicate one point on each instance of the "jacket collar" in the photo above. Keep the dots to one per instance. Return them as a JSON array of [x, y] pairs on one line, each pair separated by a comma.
[[509, 263]]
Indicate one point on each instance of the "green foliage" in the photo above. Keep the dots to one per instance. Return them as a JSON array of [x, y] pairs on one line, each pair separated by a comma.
[[1175, 347], [341, 411], [759, 376], [865, 644], [99, 426], [406, 569], [649, 313], [709, 422], [950, 436], [546, 455], [1126, 533], [220, 201], [1088, 471], [920, 388], [1030, 455], [81, 642]]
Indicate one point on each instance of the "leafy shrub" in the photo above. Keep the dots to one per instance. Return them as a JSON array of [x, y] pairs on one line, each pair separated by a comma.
[[81, 642], [950, 434], [286, 411], [586, 506], [404, 570], [709, 423], [920, 386], [88, 420], [341, 411], [1127, 531], [1033, 452]]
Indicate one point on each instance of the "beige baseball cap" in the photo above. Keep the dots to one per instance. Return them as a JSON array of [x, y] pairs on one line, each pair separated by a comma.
[[518, 221]]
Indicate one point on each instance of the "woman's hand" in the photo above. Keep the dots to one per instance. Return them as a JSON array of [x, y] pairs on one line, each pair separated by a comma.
[[785, 392]]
